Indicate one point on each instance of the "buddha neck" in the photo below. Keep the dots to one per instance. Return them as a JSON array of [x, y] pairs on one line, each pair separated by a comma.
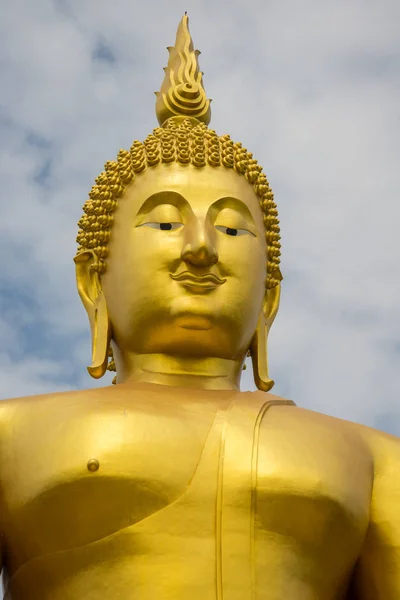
[[200, 373]]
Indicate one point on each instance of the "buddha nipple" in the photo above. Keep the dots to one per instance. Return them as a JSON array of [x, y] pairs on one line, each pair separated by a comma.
[[93, 465]]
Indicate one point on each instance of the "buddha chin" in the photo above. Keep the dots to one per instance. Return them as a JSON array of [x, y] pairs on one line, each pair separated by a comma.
[[188, 324]]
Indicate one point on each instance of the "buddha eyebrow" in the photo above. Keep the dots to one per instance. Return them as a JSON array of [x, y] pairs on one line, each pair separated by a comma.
[[233, 203], [164, 197]]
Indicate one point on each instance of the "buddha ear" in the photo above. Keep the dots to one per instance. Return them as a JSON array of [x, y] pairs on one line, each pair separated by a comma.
[[258, 346], [271, 304], [91, 294], [87, 278]]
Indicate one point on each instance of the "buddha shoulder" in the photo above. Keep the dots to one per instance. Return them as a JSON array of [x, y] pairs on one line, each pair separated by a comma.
[[25, 420], [302, 428], [42, 405]]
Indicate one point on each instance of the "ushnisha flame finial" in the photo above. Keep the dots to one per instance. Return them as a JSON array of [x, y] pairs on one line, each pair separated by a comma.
[[182, 93]]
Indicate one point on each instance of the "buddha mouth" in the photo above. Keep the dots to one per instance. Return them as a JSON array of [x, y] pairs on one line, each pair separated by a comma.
[[207, 281]]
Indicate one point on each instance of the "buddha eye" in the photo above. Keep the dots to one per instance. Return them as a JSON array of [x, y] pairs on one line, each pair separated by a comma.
[[162, 226], [232, 230]]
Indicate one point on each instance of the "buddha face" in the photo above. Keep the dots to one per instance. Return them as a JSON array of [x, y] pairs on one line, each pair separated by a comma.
[[187, 263]]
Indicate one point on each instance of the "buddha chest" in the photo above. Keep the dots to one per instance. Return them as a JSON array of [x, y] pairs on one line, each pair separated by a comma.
[[127, 490]]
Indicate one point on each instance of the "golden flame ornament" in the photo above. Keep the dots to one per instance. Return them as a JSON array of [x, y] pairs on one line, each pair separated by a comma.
[[182, 93]]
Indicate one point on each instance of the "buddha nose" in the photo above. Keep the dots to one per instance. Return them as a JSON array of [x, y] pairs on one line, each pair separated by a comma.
[[199, 249]]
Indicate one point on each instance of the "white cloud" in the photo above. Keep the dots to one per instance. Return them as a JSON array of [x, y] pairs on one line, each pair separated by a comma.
[[311, 88]]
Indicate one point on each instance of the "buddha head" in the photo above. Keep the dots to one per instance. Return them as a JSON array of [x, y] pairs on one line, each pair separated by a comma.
[[179, 247]]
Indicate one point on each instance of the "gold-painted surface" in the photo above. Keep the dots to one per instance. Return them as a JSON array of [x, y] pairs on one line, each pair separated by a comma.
[[173, 484], [93, 465], [200, 494], [185, 142], [182, 92]]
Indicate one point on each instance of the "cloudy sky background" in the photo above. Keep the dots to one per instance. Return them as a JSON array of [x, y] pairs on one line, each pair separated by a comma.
[[312, 88]]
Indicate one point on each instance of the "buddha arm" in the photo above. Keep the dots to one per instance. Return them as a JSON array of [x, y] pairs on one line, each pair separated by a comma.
[[377, 575]]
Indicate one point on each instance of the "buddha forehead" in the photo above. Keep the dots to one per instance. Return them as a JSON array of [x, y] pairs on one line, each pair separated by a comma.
[[199, 187]]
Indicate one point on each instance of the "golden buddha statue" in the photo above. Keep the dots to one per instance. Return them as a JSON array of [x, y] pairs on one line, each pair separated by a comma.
[[173, 484]]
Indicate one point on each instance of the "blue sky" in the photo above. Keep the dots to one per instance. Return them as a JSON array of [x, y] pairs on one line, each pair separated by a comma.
[[311, 88]]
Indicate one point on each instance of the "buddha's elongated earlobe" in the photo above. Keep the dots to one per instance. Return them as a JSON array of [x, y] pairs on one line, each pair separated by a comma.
[[93, 299], [259, 356], [101, 336], [258, 347]]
